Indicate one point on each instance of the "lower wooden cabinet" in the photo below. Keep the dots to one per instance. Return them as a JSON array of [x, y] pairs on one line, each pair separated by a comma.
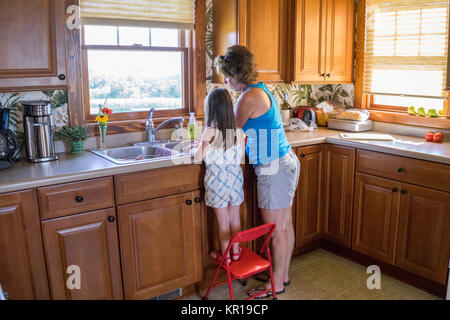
[[339, 171], [22, 265], [423, 245], [308, 204], [89, 241], [375, 216], [161, 244]]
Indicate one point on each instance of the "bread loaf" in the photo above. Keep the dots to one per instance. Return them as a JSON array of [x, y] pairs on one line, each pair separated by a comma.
[[359, 115]]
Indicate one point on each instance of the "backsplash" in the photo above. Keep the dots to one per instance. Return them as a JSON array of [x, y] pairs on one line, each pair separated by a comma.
[[13, 101]]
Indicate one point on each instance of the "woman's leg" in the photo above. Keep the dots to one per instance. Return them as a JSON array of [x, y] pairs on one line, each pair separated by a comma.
[[235, 224], [282, 243]]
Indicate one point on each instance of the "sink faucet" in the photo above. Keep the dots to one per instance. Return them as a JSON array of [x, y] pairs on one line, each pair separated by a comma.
[[150, 127]]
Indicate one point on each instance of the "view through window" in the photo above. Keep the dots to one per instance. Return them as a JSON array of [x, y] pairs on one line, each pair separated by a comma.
[[134, 68]]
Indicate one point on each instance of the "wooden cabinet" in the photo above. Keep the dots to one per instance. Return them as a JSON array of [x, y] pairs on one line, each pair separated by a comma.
[[423, 245], [37, 61], [161, 244], [88, 241], [339, 171], [375, 216], [261, 26], [22, 265], [323, 41], [309, 195]]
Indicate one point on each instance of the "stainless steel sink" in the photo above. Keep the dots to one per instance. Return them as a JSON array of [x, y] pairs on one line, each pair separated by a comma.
[[136, 154], [150, 143]]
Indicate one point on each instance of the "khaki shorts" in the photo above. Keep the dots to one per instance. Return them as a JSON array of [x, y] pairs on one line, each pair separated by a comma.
[[277, 182]]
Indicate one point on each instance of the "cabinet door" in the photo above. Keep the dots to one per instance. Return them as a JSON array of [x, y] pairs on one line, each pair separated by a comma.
[[22, 265], [375, 216], [309, 40], [160, 243], [423, 243], [338, 193], [89, 241], [309, 195], [263, 28], [39, 57], [339, 48]]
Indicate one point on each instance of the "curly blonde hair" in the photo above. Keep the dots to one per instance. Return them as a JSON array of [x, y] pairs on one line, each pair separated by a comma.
[[238, 63]]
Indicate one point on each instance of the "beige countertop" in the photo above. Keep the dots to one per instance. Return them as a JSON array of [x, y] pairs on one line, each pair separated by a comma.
[[69, 167]]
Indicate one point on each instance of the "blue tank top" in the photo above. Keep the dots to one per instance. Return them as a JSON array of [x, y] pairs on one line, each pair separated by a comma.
[[266, 140]]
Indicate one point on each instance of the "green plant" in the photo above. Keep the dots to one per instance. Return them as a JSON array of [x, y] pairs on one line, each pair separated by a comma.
[[57, 98], [75, 133]]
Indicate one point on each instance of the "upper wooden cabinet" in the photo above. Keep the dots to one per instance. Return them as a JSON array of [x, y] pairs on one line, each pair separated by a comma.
[[323, 41], [22, 265], [261, 26], [32, 50]]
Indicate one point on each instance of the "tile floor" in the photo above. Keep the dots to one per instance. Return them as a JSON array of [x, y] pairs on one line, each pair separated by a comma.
[[321, 275]]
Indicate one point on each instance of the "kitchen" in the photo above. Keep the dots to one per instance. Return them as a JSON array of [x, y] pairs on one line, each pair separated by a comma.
[[127, 206]]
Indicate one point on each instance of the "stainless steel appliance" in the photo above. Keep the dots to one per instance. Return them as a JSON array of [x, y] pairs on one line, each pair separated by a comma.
[[38, 125], [350, 125]]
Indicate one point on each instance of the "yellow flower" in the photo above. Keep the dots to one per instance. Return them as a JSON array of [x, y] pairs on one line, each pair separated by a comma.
[[102, 119]]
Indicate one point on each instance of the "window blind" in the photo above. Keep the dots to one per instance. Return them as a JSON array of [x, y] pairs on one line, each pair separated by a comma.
[[148, 13], [406, 47]]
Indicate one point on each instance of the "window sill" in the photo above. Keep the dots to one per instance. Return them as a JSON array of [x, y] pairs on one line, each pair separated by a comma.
[[402, 118]]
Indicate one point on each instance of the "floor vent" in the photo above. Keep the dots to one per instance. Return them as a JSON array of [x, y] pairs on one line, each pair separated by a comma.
[[169, 295]]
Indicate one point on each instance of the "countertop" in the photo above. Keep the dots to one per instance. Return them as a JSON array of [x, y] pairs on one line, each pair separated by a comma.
[[69, 167]]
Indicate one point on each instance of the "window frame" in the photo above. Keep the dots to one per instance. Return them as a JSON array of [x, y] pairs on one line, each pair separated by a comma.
[[122, 119], [386, 113]]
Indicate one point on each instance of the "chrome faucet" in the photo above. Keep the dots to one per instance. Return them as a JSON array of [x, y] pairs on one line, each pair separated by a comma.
[[150, 127]]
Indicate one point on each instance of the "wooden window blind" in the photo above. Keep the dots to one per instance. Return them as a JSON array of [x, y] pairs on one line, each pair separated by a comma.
[[406, 47], [146, 13]]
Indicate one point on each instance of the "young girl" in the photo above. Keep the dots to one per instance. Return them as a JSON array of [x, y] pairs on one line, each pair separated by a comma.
[[221, 147]]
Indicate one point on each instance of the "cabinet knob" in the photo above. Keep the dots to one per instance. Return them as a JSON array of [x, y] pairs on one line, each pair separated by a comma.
[[395, 189], [328, 75], [111, 219], [302, 155], [403, 191], [62, 76], [79, 199], [323, 75], [198, 200], [400, 170], [188, 202]]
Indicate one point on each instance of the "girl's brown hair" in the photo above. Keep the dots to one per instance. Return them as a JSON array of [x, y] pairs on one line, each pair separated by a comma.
[[219, 114], [238, 62]]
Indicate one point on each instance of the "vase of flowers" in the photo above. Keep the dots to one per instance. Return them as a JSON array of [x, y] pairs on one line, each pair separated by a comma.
[[76, 135], [102, 120]]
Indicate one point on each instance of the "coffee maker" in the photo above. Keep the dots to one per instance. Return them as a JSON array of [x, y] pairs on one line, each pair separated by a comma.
[[8, 143], [38, 126]]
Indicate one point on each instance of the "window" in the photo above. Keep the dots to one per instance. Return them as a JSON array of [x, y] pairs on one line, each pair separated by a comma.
[[135, 68], [405, 57]]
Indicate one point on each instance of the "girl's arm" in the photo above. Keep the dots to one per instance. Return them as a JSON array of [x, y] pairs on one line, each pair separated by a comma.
[[200, 151], [244, 108]]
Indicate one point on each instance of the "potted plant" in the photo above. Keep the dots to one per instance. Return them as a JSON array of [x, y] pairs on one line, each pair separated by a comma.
[[76, 135]]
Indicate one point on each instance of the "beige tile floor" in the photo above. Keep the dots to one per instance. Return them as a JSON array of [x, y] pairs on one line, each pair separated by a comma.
[[321, 275]]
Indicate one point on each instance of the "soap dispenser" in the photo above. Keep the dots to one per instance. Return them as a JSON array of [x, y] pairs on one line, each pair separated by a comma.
[[192, 125]]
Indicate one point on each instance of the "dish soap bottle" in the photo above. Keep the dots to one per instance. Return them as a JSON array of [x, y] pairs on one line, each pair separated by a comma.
[[192, 125]]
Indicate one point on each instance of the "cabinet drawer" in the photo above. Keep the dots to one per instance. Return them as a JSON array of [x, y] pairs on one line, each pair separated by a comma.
[[131, 187], [76, 197], [420, 172]]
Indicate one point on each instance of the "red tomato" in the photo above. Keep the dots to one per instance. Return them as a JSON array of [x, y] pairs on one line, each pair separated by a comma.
[[438, 137], [429, 136]]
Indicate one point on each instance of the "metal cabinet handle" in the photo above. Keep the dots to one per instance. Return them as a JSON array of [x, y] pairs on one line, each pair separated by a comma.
[[79, 199], [400, 170], [111, 219], [197, 200], [328, 75], [302, 155], [62, 76], [323, 75], [395, 189], [188, 202], [403, 191]]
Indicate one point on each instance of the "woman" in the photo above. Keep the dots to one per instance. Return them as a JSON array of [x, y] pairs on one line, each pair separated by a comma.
[[276, 166]]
